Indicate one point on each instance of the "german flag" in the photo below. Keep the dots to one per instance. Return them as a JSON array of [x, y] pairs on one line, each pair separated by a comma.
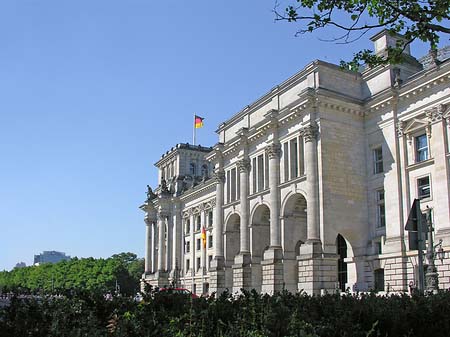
[[198, 122], [204, 236]]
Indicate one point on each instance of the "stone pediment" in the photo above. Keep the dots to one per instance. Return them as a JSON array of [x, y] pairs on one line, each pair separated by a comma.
[[415, 124], [445, 109]]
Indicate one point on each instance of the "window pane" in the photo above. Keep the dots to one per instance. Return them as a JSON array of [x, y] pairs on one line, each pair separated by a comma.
[[260, 173], [423, 186], [294, 158], [378, 160], [286, 161], [421, 148]]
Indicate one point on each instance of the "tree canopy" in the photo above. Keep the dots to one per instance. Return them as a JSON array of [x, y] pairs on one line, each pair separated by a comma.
[[87, 273], [424, 20]]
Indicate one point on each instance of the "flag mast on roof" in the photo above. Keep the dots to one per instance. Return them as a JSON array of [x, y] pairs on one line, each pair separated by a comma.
[[198, 123]]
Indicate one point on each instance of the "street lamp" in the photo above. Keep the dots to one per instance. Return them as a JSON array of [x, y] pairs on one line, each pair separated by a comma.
[[432, 280]]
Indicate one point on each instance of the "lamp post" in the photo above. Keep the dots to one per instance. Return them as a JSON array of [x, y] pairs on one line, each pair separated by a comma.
[[431, 276]]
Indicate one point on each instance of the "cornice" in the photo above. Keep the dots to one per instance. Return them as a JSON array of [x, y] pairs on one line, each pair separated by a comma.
[[198, 190]]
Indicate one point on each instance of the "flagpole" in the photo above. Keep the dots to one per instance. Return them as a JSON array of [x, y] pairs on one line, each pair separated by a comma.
[[193, 133]]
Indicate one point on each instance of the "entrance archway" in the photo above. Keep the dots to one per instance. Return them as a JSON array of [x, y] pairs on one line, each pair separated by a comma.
[[341, 250], [259, 241], [231, 249], [294, 234]]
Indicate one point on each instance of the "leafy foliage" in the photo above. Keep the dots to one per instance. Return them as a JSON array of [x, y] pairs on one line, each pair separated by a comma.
[[83, 313], [415, 19], [89, 273]]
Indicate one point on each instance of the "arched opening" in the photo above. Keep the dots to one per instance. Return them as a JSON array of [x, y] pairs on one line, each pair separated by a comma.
[[205, 170], [231, 249], [293, 236], [341, 250], [192, 169], [259, 242]]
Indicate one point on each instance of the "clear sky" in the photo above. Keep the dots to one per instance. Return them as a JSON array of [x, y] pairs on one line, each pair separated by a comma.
[[92, 92]]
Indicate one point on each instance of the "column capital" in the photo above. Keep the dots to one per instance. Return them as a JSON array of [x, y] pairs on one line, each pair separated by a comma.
[[149, 220], [273, 150], [243, 165], [219, 176], [161, 216], [435, 114], [310, 133]]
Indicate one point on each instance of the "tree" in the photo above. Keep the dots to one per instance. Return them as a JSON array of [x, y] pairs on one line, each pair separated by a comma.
[[424, 20], [87, 273]]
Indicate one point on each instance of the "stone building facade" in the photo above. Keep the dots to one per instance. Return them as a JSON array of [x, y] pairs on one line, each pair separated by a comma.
[[310, 186]]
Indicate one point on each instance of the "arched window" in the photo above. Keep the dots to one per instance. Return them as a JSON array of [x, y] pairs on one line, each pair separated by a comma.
[[205, 170], [192, 169]]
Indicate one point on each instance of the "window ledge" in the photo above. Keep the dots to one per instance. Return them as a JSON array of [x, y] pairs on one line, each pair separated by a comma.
[[420, 164], [232, 203], [293, 181]]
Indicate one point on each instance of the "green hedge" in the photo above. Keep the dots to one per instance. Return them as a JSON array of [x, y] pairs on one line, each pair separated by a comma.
[[250, 314]]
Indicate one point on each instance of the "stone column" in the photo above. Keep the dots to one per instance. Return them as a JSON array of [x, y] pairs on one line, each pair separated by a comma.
[[169, 243], [241, 267], [217, 272], [178, 243], [148, 246], [274, 152], [154, 246], [161, 243], [244, 168], [219, 176], [272, 266], [312, 180]]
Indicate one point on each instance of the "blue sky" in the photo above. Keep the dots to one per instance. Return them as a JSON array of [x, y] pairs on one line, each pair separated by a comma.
[[92, 92]]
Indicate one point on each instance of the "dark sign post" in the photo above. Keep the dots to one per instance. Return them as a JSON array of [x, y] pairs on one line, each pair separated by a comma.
[[416, 230]]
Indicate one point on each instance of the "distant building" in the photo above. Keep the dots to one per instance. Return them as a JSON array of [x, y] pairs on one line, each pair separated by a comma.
[[50, 257], [20, 265]]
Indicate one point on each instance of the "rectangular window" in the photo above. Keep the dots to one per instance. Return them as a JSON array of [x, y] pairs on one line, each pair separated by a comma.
[[293, 157], [209, 261], [255, 189], [188, 264], [421, 143], [233, 185], [238, 184], [210, 241], [199, 222], [210, 218], [198, 244], [378, 160], [198, 263], [188, 226], [260, 173], [266, 171], [381, 209], [379, 279], [423, 188], [228, 186], [188, 247], [301, 156], [286, 161]]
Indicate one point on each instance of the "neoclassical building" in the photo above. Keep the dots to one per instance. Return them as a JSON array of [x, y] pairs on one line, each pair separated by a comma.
[[310, 186]]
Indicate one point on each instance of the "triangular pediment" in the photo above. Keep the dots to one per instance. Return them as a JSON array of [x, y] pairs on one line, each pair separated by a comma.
[[446, 109], [415, 124]]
